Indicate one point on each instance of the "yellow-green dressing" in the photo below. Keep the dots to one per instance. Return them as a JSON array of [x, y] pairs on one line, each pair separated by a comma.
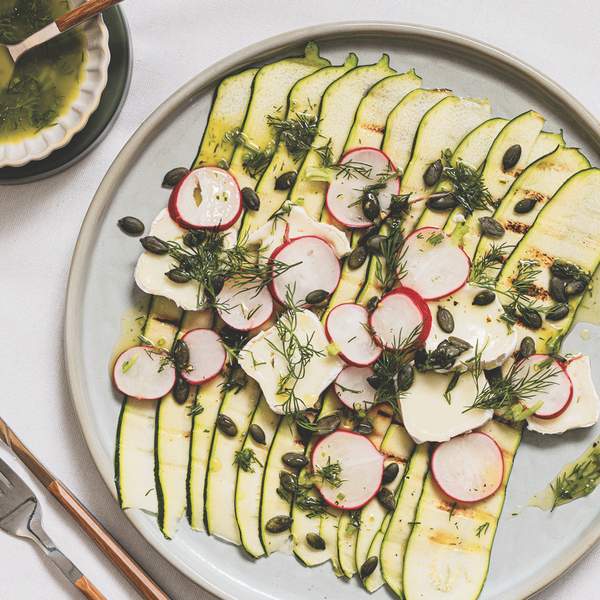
[[45, 81]]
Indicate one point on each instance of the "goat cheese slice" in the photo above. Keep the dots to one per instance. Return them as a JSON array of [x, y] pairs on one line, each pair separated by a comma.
[[431, 415], [481, 326], [262, 358]]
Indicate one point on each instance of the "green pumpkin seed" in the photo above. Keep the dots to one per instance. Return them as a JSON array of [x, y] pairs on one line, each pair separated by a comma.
[[458, 343], [370, 206], [445, 319], [363, 429], [491, 227], [154, 245], [178, 276], [368, 234], [558, 312], [181, 353], [131, 225], [374, 244], [433, 173], [286, 181], [327, 425], [174, 176], [217, 282], [531, 318], [575, 287], [511, 157], [368, 566], [556, 288], [294, 460], [405, 379], [181, 390], [484, 298], [288, 481], [250, 199], [257, 434], [279, 524], [567, 270], [315, 541], [194, 237], [445, 201], [304, 433], [372, 303], [357, 257], [493, 376], [386, 498], [390, 473], [524, 206], [226, 425], [527, 347], [316, 296], [374, 381]]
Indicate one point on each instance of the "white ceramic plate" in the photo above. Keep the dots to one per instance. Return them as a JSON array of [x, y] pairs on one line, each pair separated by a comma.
[[529, 551]]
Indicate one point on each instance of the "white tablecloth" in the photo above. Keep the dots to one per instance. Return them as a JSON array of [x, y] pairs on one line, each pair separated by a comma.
[[39, 223]]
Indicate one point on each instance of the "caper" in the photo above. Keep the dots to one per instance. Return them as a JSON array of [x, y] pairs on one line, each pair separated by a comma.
[[181, 353], [445, 201], [527, 347], [390, 473], [226, 425], [511, 157], [484, 298], [286, 181], [357, 257], [154, 245], [556, 288], [531, 318], [374, 244], [194, 237], [558, 312], [524, 206], [491, 227], [279, 524], [257, 434], [567, 270], [445, 319], [386, 498], [459, 343], [217, 282], [288, 481], [315, 541], [493, 376], [294, 460], [368, 234], [433, 173], [576, 287], [181, 390], [327, 425], [370, 206], [178, 276], [405, 379], [372, 303], [316, 296], [131, 225], [363, 429], [369, 566], [174, 176], [250, 199]]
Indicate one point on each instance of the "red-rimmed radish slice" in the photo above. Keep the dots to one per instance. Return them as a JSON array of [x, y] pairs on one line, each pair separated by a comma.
[[244, 308], [353, 389], [344, 193], [345, 325], [207, 355], [556, 395], [360, 469], [144, 372], [433, 265], [316, 267], [208, 198], [469, 467], [401, 318]]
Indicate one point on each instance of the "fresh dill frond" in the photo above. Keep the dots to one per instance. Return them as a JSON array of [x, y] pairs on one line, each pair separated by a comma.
[[297, 133], [580, 481], [330, 473], [482, 529], [245, 459], [390, 266], [485, 269], [355, 522]]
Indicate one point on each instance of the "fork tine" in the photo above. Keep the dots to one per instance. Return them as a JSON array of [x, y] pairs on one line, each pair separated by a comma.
[[13, 480]]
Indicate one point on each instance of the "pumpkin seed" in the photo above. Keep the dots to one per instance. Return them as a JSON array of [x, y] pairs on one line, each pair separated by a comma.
[[405, 379], [217, 282], [484, 298], [372, 303], [363, 429], [531, 318], [181, 390], [390, 473], [556, 287], [304, 433], [327, 425], [369, 566], [575, 287], [174, 176], [181, 353], [458, 343], [194, 237], [257, 434], [527, 347], [433, 173], [315, 541], [286, 181], [368, 234], [370, 206], [131, 225], [279, 524], [445, 201], [357, 257], [316, 296], [288, 481], [567, 270], [491, 227], [178, 276], [493, 376], [511, 157], [524, 206], [226, 425], [374, 381], [445, 319], [558, 312], [250, 199], [294, 460], [374, 243], [154, 245], [386, 498]]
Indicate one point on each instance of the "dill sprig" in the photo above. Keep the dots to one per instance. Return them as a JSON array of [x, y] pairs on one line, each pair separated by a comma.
[[330, 473], [484, 270], [297, 133], [392, 268], [354, 523], [580, 481], [255, 160], [313, 506], [245, 459], [166, 357]]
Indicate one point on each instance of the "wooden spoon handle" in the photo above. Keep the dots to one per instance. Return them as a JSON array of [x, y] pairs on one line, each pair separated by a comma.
[[82, 13], [87, 589]]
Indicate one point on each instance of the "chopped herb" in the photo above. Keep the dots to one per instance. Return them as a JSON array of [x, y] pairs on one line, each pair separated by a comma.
[[245, 459], [482, 529]]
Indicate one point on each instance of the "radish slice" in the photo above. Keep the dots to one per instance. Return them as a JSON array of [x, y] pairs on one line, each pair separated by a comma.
[[353, 389], [468, 468], [344, 193], [557, 395], [434, 265], [207, 355], [144, 372], [208, 198], [345, 325], [244, 309], [398, 317], [360, 469], [316, 267]]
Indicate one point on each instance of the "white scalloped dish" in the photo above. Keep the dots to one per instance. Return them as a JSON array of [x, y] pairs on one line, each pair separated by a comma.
[[40, 144]]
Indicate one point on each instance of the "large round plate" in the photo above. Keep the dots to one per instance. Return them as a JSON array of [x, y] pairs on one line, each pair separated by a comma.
[[529, 551]]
